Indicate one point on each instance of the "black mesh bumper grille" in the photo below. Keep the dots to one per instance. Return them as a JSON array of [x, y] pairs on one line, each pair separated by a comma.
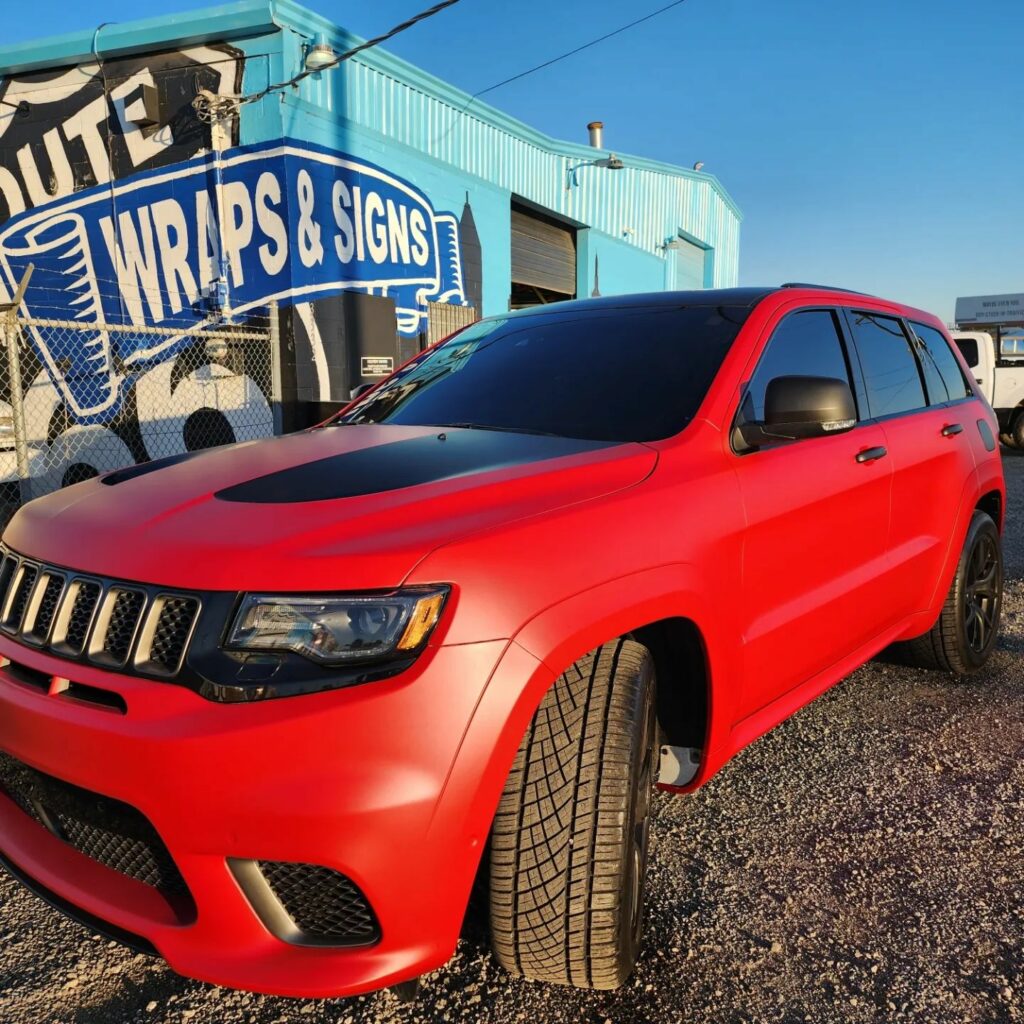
[[326, 906], [108, 831]]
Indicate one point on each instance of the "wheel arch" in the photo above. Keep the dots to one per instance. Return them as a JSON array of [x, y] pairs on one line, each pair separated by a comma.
[[663, 604], [667, 610], [663, 607], [991, 503], [680, 655]]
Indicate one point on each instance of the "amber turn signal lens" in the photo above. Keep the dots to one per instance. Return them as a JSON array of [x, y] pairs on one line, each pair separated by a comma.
[[421, 622]]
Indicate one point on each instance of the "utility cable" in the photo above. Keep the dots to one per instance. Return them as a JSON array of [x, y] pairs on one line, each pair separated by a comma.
[[213, 108], [578, 49], [555, 60]]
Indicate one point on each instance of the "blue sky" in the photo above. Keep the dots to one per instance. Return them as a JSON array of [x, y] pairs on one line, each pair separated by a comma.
[[877, 145]]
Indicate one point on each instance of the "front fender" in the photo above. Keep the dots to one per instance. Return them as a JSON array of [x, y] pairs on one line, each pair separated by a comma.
[[565, 632], [530, 664]]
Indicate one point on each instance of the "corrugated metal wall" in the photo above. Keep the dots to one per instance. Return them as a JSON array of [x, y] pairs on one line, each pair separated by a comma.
[[642, 204]]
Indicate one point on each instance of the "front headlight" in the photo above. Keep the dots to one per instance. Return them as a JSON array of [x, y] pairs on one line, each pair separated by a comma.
[[339, 629]]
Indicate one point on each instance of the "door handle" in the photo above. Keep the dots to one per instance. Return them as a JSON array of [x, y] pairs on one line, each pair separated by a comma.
[[872, 454], [952, 429]]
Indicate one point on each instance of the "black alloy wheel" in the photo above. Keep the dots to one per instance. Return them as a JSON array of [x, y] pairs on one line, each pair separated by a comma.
[[982, 593]]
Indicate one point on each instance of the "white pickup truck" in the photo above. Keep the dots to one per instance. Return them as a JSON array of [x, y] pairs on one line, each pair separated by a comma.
[[1002, 381]]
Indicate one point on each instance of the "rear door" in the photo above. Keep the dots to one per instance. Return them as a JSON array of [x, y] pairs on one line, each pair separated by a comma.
[[924, 410], [816, 525]]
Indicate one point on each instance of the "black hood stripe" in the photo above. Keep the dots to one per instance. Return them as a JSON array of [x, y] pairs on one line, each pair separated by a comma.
[[390, 467], [120, 476]]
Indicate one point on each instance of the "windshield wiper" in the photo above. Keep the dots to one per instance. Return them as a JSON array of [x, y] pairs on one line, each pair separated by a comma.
[[488, 426]]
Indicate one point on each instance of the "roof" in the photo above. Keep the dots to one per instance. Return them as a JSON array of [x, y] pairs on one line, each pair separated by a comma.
[[746, 297]]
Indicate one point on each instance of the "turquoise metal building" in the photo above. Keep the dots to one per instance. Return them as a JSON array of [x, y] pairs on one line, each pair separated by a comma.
[[371, 201]]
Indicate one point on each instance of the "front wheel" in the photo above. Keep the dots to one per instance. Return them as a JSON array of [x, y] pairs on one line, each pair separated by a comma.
[[569, 844], [965, 634]]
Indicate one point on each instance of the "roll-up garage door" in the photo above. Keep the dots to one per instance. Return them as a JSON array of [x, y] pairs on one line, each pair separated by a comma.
[[543, 257]]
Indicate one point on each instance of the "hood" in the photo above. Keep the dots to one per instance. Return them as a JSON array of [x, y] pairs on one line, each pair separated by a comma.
[[337, 508]]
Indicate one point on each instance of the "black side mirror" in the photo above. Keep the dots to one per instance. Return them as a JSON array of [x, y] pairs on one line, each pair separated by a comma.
[[802, 407]]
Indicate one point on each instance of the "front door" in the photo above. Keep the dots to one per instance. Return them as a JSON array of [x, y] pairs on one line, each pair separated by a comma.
[[816, 527]]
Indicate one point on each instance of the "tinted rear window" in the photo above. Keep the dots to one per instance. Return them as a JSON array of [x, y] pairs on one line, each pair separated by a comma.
[[891, 376], [946, 381], [605, 373]]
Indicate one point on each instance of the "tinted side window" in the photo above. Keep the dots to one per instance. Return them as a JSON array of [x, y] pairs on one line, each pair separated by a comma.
[[938, 360], [969, 349], [891, 376], [805, 344]]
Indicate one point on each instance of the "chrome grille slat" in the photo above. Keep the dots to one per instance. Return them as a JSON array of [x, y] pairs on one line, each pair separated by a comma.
[[24, 582], [117, 625], [7, 569], [166, 634], [110, 623], [74, 621], [43, 607]]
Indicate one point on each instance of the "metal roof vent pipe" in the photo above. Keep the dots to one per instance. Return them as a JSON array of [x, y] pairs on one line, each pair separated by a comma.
[[596, 129]]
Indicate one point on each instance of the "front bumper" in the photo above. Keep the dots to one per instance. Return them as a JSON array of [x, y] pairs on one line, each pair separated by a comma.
[[356, 780]]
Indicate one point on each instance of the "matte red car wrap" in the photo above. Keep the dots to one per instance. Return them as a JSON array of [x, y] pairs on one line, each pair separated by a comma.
[[549, 549]]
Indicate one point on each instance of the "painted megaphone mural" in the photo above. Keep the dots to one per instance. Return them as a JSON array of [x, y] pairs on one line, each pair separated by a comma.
[[275, 222], [78, 361], [140, 235], [68, 140]]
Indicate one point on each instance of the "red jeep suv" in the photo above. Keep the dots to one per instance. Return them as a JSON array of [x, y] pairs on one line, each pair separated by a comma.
[[267, 710]]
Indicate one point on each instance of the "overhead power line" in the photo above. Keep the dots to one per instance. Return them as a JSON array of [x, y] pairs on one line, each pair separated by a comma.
[[578, 49], [349, 54], [555, 60], [214, 107]]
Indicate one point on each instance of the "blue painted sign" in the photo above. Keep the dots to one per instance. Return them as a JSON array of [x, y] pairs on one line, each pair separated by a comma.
[[284, 221]]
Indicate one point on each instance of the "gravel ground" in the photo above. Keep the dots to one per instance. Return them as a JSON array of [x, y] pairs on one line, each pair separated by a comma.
[[862, 862]]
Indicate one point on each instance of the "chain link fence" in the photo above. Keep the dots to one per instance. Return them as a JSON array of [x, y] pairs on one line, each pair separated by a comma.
[[82, 398]]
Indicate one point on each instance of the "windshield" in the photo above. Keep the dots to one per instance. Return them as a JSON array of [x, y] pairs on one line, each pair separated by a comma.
[[604, 373]]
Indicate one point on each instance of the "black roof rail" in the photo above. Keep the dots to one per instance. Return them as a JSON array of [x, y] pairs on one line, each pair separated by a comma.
[[823, 287]]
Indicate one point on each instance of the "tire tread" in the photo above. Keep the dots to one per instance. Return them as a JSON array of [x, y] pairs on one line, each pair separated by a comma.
[[558, 843]]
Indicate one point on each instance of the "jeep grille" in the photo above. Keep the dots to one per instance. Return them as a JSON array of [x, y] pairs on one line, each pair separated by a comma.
[[110, 623]]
